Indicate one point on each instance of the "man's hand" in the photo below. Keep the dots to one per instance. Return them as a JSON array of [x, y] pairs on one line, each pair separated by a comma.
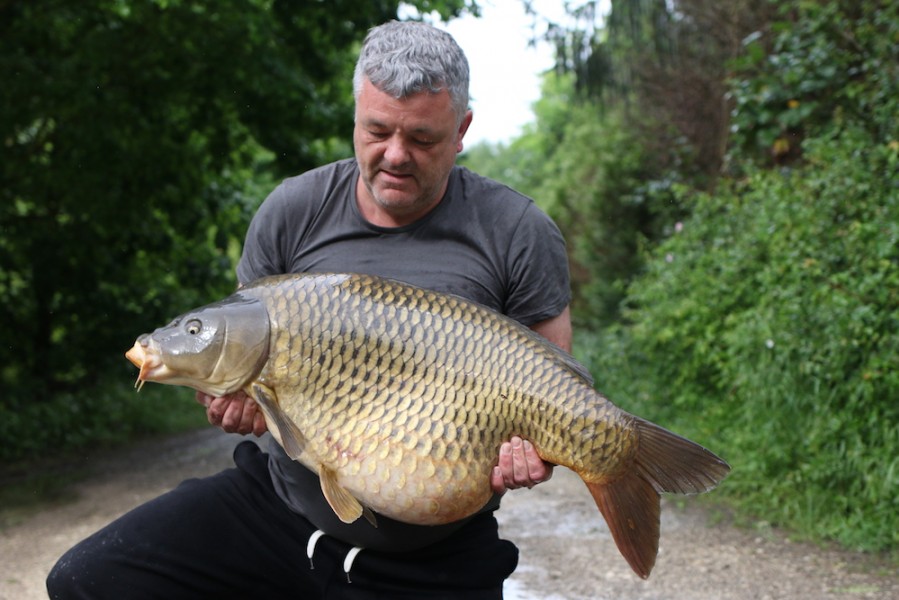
[[518, 466], [234, 413]]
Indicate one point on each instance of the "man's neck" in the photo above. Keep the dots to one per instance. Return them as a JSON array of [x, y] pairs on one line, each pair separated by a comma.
[[381, 215]]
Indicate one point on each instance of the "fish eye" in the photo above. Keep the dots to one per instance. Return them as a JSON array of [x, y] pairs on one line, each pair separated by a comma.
[[194, 327]]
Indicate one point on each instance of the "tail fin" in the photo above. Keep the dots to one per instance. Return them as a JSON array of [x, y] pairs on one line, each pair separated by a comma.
[[665, 462], [630, 506]]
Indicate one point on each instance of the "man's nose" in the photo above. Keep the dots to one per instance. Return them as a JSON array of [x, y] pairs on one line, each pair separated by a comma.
[[397, 151]]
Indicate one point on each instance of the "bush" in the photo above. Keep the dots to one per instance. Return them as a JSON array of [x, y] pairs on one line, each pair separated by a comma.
[[824, 62], [108, 414], [768, 329]]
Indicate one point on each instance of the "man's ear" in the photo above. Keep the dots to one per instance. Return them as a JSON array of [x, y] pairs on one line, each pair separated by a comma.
[[463, 128]]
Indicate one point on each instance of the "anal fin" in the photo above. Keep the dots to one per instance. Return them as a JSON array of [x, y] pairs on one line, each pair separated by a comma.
[[344, 504], [369, 516]]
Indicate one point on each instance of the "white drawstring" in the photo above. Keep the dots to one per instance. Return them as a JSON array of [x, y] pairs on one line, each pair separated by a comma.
[[348, 561], [310, 546]]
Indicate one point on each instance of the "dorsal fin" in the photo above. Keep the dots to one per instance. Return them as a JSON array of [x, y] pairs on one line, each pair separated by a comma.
[[574, 365], [567, 360]]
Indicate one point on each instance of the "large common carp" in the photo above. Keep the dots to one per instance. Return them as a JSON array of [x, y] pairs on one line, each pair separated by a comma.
[[399, 398]]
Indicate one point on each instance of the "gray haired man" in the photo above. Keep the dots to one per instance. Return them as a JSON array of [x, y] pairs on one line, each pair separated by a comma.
[[401, 208]]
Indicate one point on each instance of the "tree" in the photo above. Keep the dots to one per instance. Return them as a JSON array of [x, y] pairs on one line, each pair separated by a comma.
[[768, 322], [589, 173], [129, 129], [821, 67], [667, 64]]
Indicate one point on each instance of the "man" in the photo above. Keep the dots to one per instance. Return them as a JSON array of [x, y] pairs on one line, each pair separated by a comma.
[[400, 209]]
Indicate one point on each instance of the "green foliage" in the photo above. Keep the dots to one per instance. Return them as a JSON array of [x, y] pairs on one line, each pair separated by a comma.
[[663, 65], [600, 205], [754, 309], [765, 326], [113, 412], [829, 63], [597, 183], [137, 137], [769, 329]]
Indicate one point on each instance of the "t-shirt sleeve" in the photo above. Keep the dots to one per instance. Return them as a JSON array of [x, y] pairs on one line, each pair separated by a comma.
[[539, 282], [265, 246]]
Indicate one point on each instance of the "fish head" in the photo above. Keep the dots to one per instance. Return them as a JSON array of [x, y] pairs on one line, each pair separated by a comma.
[[216, 349]]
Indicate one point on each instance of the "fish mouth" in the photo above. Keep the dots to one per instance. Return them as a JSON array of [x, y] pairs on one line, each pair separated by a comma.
[[147, 360]]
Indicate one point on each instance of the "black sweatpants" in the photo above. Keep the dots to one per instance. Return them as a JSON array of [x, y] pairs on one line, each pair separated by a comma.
[[231, 536]]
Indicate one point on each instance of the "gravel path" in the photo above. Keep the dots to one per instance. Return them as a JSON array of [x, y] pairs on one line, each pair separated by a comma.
[[566, 550]]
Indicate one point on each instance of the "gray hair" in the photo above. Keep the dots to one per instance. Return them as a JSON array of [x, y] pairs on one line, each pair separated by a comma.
[[404, 58]]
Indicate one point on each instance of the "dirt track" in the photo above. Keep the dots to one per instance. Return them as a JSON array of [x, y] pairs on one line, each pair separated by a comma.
[[566, 551]]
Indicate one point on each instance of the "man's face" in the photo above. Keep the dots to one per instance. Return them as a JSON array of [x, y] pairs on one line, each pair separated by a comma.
[[405, 149]]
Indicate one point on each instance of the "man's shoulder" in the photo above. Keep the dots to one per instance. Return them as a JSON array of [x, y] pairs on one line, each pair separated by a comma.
[[475, 183], [489, 197], [484, 194], [297, 199], [313, 188], [332, 172]]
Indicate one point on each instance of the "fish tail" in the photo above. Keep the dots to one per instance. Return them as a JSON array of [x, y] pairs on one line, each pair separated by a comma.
[[631, 508], [630, 504], [674, 464]]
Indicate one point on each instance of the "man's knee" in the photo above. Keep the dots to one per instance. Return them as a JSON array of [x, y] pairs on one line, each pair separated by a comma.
[[63, 580], [81, 573]]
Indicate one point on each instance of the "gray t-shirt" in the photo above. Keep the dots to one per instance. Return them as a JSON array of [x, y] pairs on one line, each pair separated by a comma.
[[483, 241]]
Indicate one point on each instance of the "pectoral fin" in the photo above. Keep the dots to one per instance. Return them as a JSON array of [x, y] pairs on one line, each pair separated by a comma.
[[345, 506], [289, 434]]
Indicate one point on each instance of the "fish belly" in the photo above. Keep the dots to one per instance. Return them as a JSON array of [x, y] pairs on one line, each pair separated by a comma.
[[417, 466]]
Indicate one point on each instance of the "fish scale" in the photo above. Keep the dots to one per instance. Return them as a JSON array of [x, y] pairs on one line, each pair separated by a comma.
[[461, 381], [399, 399]]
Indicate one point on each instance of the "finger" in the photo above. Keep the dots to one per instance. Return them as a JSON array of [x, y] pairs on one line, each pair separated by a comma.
[[203, 398], [505, 464], [496, 481], [259, 426], [233, 415], [501, 476], [248, 417], [215, 410], [520, 467], [538, 471]]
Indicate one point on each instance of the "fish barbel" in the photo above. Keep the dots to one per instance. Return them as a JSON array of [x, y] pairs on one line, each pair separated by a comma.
[[399, 399]]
